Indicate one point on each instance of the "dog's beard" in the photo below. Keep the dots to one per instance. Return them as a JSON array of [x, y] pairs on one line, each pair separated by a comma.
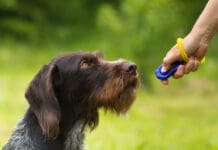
[[126, 97], [117, 94]]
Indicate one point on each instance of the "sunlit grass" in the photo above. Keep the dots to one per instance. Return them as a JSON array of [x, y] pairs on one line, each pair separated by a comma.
[[156, 122], [180, 116]]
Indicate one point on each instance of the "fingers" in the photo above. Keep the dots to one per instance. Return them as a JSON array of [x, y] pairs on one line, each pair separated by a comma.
[[165, 82], [196, 65], [200, 53], [180, 72], [172, 56], [191, 66]]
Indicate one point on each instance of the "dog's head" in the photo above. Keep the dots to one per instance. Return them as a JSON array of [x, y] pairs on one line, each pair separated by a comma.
[[83, 79]]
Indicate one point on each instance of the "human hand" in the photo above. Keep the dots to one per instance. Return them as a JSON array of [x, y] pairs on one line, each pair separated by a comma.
[[195, 49]]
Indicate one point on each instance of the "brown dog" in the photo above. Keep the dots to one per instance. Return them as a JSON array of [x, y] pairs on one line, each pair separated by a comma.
[[65, 96]]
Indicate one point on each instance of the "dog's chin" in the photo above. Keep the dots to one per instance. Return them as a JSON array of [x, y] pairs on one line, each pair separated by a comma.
[[129, 92], [122, 103]]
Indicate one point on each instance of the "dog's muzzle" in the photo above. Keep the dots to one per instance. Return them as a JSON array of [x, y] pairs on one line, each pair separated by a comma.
[[130, 68]]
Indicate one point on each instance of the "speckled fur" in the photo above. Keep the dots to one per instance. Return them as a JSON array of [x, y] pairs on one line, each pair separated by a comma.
[[20, 139]]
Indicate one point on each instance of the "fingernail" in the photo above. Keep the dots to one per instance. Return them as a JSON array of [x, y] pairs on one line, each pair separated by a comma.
[[163, 69]]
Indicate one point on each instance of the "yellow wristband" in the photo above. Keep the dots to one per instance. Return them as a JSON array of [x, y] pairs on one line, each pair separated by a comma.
[[203, 60], [183, 52]]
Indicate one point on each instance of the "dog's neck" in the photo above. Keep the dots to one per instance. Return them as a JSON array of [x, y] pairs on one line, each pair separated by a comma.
[[77, 110], [75, 137], [74, 118], [71, 134]]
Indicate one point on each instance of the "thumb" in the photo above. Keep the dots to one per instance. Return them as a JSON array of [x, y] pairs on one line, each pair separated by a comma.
[[172, 56]]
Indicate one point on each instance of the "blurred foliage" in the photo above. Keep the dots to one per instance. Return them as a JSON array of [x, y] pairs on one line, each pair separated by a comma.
[[180, 116], [139, 30]]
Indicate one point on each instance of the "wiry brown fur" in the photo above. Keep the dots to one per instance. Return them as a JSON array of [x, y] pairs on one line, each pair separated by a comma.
[[43, 102], [110, 96], [65, 96]]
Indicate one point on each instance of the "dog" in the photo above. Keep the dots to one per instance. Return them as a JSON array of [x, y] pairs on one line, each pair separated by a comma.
[[64, 98]]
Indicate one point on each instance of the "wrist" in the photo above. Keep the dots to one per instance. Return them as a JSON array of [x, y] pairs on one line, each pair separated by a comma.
[[204, 33], [194, 41], [200, 35], [191, 42]]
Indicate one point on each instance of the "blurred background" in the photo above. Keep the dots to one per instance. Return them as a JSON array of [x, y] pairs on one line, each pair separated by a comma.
[[180, 116]]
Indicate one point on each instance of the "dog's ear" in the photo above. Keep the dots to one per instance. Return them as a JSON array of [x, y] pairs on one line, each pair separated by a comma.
[[43, 101]]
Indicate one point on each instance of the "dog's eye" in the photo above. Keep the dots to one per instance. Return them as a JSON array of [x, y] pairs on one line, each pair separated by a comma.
[[85, 64]]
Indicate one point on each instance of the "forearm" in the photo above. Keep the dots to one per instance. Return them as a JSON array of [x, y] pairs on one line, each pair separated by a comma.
[[207, 24]]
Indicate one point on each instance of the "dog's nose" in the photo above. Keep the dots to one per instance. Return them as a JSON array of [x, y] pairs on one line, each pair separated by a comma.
[[130, 68]]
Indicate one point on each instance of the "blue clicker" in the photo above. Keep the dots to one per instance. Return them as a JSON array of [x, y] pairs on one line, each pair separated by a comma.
[[165, 75]]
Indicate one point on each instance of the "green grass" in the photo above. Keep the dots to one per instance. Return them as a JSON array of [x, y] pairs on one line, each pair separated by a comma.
[[176, 117], [157, 122]]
